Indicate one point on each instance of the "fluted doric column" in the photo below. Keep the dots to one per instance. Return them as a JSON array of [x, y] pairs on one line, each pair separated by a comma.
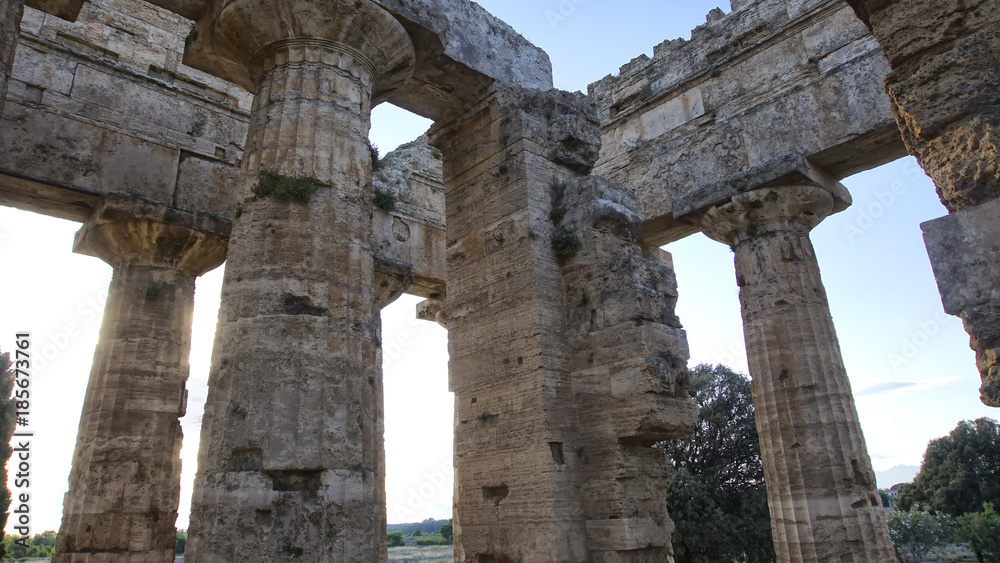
[[125, 483], [821, 486], [291, 449]]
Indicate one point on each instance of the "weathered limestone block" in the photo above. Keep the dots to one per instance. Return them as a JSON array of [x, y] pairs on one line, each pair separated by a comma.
[[411, 229], [516, 470], [629, 370], [125, 483], [291, 452], [945, 89], [10, 29], [820, 483], [963, 251], [770, 78]]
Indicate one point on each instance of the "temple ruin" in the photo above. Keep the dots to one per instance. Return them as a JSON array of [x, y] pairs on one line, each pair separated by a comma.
[[185, 133]]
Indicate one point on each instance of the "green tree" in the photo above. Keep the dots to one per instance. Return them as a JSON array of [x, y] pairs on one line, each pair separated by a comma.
[[982, 531], [396, 539], [8, 413], [416, 533], [960, 471], [886, 499], [716, 493], [915, 533], [182, 539], [447, 532]]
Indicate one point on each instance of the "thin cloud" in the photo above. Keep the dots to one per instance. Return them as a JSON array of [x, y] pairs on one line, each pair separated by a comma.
[[896, 388]]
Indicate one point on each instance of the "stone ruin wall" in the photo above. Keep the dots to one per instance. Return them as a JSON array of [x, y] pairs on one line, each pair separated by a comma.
[[770, 78], [784, 94]]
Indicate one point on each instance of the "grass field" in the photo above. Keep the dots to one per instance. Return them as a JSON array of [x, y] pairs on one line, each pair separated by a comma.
[[442, 554]]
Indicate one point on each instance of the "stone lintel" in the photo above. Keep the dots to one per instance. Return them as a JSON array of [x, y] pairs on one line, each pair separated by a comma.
[[64, 9], [460, 49], [392, 280], [787, 169], [625, 534], [109, 232], [964, 248]]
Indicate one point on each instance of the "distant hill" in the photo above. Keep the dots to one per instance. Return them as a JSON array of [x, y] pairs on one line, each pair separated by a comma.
[[896, 475], [427, 527]]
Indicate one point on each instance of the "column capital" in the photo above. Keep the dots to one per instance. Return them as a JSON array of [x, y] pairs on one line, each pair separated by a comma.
[[129, 229], [762, 211], [241, 39]]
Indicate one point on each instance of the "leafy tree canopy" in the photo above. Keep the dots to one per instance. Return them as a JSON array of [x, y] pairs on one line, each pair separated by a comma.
[[960, 472], [716, 493]]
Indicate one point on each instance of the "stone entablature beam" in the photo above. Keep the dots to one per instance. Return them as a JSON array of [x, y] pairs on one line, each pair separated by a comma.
[[770, 78], [821, 487], [125, 484]]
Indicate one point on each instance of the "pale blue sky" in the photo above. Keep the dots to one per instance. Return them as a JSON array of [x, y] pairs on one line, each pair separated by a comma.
[[911, 367]]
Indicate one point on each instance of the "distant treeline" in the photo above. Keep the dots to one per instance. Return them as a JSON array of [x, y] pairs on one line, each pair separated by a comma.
[[427, 527]]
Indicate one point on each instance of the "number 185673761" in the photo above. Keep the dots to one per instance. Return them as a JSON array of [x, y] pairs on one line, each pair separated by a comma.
[[22, 373]]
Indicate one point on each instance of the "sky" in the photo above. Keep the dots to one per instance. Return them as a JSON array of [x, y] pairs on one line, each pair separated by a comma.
[[910, 365]]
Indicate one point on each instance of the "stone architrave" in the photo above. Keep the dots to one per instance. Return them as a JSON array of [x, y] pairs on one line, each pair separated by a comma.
[[945, 94], [821, 487], [125, 484], [291, 452]]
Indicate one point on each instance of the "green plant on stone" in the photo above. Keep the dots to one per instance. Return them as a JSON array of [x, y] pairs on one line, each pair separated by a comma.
[[285, 188], [565, 245], [376, 158], [384, 200]]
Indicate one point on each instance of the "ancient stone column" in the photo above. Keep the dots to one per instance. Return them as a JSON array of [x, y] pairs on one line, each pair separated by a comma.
[[517, 494], [290, 458], [125, 483], [945, 93], [821, 486], [10, 29]]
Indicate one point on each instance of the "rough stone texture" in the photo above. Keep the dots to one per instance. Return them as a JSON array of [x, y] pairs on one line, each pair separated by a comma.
[[461, 48], [945, 93], [291, 451], [629, 373], [772, 77], [413, 231], [124, 487], [963, 251], [820, 483], [10, 23], [95, 109], [102, 105], [534, 482], [945, 89], [514, 501]]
